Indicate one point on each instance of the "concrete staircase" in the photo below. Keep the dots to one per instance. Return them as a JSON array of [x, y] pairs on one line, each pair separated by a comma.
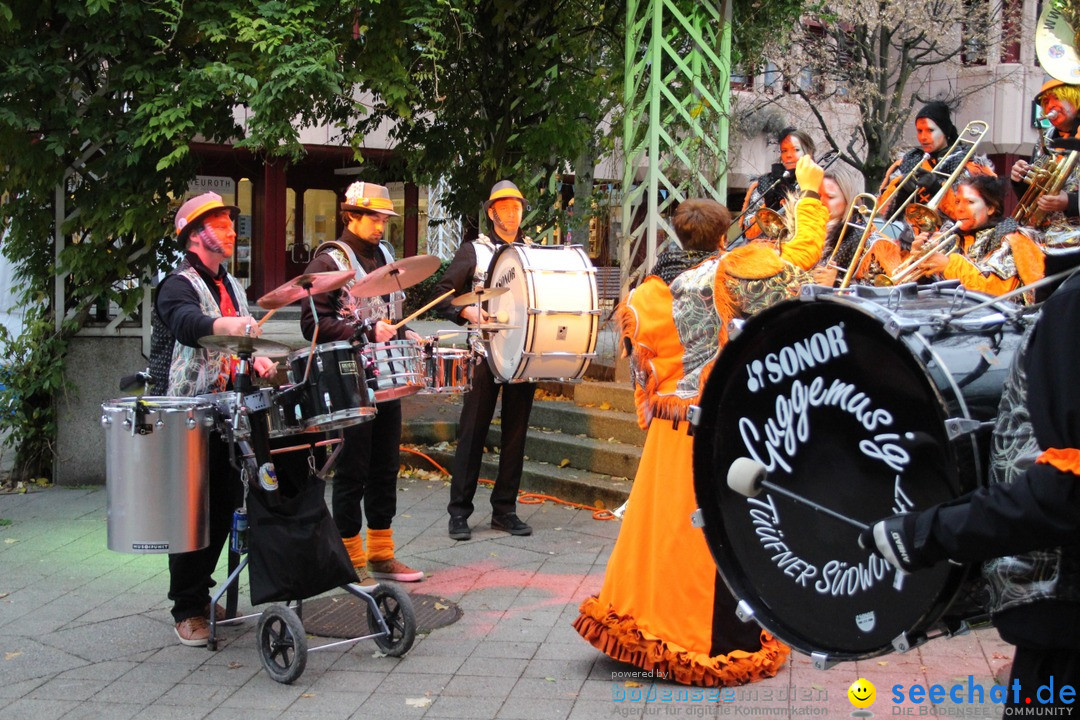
[[584, 447]]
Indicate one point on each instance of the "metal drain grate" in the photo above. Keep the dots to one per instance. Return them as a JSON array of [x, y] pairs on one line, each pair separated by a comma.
[[345, 616]]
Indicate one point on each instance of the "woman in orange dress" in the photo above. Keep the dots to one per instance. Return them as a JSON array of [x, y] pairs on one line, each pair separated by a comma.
[[663, 606]]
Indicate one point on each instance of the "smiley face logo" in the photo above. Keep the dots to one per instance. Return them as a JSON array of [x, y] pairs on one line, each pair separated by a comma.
[[862, 693]]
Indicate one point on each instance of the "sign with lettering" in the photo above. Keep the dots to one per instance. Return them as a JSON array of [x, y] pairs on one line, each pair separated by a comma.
[[845, 413]]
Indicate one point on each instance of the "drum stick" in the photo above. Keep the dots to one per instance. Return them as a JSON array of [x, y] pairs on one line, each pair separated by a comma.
[[423, 310], [266, 317]]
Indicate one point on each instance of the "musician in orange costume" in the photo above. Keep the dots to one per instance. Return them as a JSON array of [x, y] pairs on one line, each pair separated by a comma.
[[663, 606], [994, 255]]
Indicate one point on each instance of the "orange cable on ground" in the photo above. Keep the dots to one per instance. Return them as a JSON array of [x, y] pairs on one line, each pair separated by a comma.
[[528, 498]]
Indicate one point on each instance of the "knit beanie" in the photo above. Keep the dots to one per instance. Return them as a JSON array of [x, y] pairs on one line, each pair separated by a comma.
[[939, 113]]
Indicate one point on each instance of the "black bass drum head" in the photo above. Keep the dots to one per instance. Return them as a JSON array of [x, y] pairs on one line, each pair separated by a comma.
[[843, 413]]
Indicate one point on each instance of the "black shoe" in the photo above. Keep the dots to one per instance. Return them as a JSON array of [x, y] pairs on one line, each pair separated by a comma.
[[459, 528], [510, 523]]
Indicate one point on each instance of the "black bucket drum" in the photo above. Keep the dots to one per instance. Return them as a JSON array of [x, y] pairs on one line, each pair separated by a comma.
[[335, 393], [870, 404]]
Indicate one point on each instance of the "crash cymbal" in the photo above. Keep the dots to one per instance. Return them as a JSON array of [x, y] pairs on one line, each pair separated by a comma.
[[398, 275], [471, 298], [236, 344], [297, 288]]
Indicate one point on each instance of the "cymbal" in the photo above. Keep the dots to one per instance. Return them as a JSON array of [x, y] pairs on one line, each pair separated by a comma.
[[236, 344], [471, 298], [297, 288], [398, 275]]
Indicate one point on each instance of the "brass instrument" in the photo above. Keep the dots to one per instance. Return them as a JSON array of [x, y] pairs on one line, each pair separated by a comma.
[[925, 217], [857, 203], [911, 269], [1046, 177], [911, 196], [1055, 41], [771, 222]]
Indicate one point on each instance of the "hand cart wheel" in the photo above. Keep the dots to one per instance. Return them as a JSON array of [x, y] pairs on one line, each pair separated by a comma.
[[396, 609], [282, 643]]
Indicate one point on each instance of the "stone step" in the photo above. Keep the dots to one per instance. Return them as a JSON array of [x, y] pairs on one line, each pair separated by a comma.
[[579, 486], [580, 453], [617, 395], [573, 419]]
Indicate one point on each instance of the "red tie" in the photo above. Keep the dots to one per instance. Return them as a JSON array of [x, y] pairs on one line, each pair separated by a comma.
[[227, 310]]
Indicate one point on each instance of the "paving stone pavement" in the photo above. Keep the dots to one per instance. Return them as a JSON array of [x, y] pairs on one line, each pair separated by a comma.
[[86, 633]]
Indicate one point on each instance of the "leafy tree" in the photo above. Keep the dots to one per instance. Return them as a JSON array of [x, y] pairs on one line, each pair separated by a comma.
[[878, 57], [102, 98]]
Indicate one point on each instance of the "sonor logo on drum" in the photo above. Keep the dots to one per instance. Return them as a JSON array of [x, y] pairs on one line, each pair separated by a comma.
[[817, 349], [866, 621], [507, 277]]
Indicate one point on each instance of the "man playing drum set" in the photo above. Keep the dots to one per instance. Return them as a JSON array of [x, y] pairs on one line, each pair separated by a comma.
[[200, 298], [367, 469], [505, 208]]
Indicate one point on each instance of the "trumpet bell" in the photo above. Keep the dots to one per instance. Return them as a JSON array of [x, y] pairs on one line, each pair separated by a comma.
[[772, 223], [922, 218], [1055, 43]]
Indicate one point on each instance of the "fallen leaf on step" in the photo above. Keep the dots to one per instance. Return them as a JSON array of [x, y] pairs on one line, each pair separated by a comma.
[[551, 679], [235, 665], [417, 702], [440, 606], [605, 406], [308, 695], [10, 541], [564, 462], [12, 655]]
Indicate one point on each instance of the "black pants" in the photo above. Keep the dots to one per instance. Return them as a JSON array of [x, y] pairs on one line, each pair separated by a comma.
[[366, 472], [190, 574], [1038, 668], [476, 413]]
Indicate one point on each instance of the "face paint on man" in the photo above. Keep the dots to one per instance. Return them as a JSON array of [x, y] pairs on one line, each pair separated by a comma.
[[1061, 113], [931, 138], [506, 214], [217, 234]]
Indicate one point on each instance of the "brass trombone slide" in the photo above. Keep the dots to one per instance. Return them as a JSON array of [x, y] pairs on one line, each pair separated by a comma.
[[910, 269], [925, 217], [857, 203]]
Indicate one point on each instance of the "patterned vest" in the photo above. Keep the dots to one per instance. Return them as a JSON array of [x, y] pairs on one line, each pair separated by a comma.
[[372, 308]]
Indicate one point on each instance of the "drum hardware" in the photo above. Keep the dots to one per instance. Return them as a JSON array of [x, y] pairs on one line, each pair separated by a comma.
[[478, 296], [243, 345], [423, 310], [302, 285], [395, 276], [748, 477], [958, 426], [493, 327]]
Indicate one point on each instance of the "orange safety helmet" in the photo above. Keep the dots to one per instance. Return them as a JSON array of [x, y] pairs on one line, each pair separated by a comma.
[[198, 207]]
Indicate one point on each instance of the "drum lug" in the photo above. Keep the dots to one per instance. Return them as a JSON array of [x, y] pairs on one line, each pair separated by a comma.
[[697, 520], [693, 416], [106, 421], [744, 612], [901, 643], [955, 427], [821, 661], [734, 328]]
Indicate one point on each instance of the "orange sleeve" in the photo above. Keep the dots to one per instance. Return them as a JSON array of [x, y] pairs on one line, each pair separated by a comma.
[[962, 269], [805, 248]]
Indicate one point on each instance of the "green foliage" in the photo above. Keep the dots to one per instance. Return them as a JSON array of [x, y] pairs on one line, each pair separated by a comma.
[[424, 292]]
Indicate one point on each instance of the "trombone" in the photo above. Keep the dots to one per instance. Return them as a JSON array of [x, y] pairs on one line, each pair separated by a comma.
[[858, 204], [925, 217], [911, 268]]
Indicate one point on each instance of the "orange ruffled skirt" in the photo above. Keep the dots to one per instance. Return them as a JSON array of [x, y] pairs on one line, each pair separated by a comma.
[[661, 589]]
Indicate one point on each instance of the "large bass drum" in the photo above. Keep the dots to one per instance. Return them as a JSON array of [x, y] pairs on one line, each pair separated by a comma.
[[869, 404], [552, 310]]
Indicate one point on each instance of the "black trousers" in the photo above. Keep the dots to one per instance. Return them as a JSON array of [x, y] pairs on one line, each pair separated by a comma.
[[1040, 668], [190, 574], [476, 413], [365, 476]]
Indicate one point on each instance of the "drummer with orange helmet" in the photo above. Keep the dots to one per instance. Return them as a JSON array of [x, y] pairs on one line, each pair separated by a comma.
[[505, 208]]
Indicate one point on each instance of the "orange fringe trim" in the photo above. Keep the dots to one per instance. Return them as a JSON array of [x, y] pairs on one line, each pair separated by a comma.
[[619, 637], [1064, 459]]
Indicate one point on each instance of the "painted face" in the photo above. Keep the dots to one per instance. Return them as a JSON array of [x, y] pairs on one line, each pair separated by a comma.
[[506, 214], [218, 234], [833, 198], [1064, 117], [790, 151], [369, 227], [931, 139], [972, 212]]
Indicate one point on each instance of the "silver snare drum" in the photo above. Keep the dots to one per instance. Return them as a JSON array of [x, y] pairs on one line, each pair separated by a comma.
[[448, 371], [395, 369], [156, 473]]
